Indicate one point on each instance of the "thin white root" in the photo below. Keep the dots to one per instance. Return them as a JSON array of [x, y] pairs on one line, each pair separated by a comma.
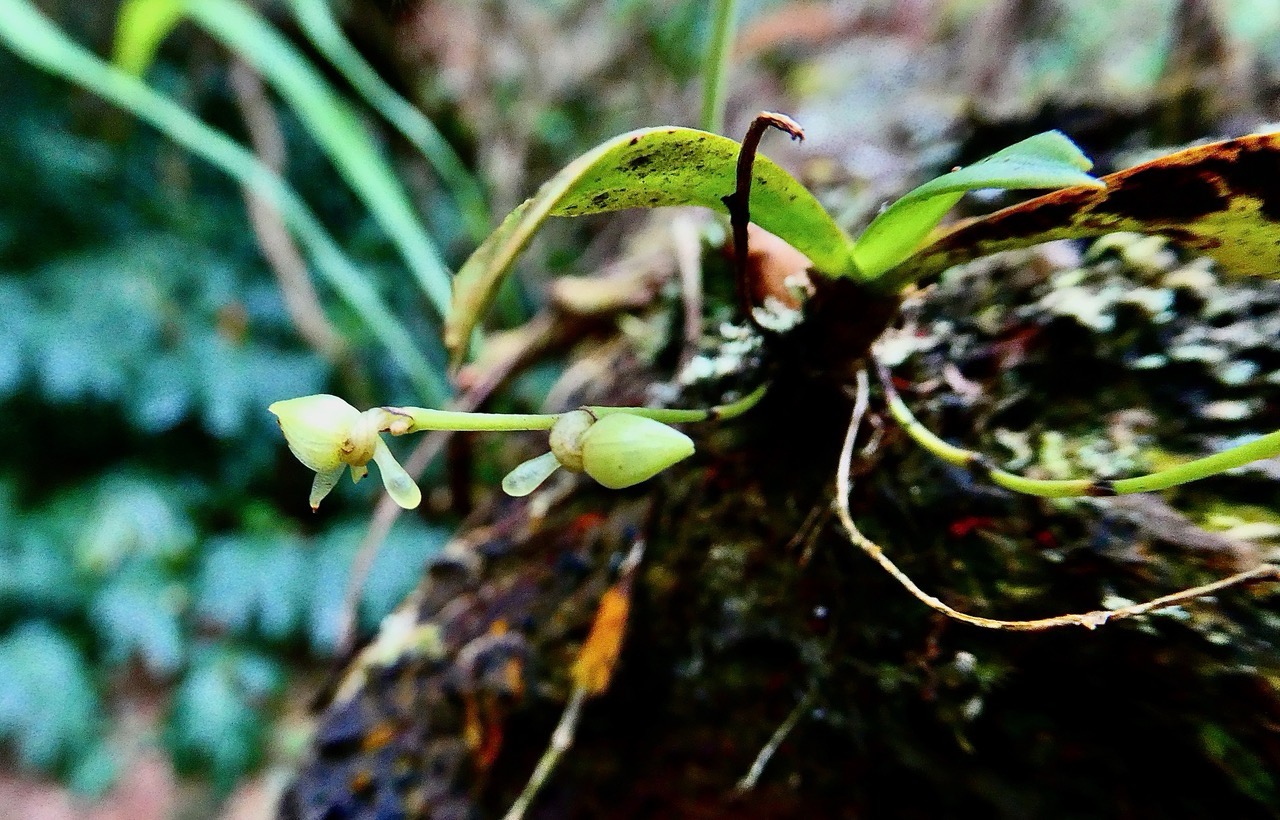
[[1088, 620]]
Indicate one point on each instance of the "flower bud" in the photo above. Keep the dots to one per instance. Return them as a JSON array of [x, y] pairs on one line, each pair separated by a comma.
[[622, 449], [566, 438]]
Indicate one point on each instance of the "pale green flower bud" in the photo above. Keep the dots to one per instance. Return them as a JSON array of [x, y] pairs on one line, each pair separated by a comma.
[[566, 438], [621, 449], [317, 429], [327, 435], [618, 451]]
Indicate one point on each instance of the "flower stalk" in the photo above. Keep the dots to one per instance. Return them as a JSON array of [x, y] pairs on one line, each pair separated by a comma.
[[617, 446]]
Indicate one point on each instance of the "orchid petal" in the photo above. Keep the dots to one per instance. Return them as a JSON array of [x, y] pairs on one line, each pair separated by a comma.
[[400, 485], [529, 475], [325, 481]]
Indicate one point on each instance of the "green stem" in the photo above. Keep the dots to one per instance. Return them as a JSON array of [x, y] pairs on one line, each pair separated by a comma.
[[676, 416], [1267, 446], [423, 418], [715, 72], [31, 36]]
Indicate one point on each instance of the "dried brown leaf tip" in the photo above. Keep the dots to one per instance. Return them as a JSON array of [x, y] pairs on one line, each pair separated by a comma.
[[1221, 199]]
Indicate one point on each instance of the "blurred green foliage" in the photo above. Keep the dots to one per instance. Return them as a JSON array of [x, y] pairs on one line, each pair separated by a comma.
[[143, 537]]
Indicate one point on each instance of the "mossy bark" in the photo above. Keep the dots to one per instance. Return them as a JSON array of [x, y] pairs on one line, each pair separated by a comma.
[[749, 598]]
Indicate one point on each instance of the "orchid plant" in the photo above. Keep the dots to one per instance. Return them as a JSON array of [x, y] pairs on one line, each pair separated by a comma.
[[1218, 199], [900, 248], [1211, 198]]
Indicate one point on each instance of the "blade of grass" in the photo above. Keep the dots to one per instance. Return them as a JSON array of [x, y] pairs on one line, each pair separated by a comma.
[[317, 22], [333, 123], [715, 72], [140, 28], [31, 36]]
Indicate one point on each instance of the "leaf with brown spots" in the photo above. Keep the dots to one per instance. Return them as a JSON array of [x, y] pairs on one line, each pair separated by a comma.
[[1222, 200], [649, 168]]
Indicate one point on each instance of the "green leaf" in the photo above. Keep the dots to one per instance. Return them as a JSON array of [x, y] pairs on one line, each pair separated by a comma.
[[97, 770], [139, 613], [1047, 160], [32, 37], [37, 573], [47, 701], [1219, 199], [131, 517], [399, 567], [141, 26], [648, 168], [217, 723], [250, 582], [396, 570], [101, 330]]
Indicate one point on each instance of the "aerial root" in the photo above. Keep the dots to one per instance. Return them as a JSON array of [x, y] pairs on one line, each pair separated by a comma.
[[1267, 446], [1088, 620]]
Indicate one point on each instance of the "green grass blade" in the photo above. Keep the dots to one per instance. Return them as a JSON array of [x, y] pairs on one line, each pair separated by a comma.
[[333, 123], [1045, 161], [141, 26], [320, 27], [31, 36], [715, 70]]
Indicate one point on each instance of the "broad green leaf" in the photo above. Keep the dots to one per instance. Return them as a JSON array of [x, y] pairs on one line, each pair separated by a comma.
[[254, 584], [316, 19], [97, 770], [217, 723], [34, 38], [47, 703], [395, 571], [141, 26], [1047, 160], [1222, 200], [101, 331], [139, 613], [648, 168], [131, 517], [333, 123]]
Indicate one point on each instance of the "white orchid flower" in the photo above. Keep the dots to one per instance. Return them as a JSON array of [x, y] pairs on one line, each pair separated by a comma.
[[328, 435]]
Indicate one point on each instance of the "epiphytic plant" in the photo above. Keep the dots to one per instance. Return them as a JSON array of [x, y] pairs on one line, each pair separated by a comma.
[[1217, 199], [667, 166], [1223, 206], [1211, 198]]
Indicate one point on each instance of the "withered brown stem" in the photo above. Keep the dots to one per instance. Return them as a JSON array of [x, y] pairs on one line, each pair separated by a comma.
[[739, 202]]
